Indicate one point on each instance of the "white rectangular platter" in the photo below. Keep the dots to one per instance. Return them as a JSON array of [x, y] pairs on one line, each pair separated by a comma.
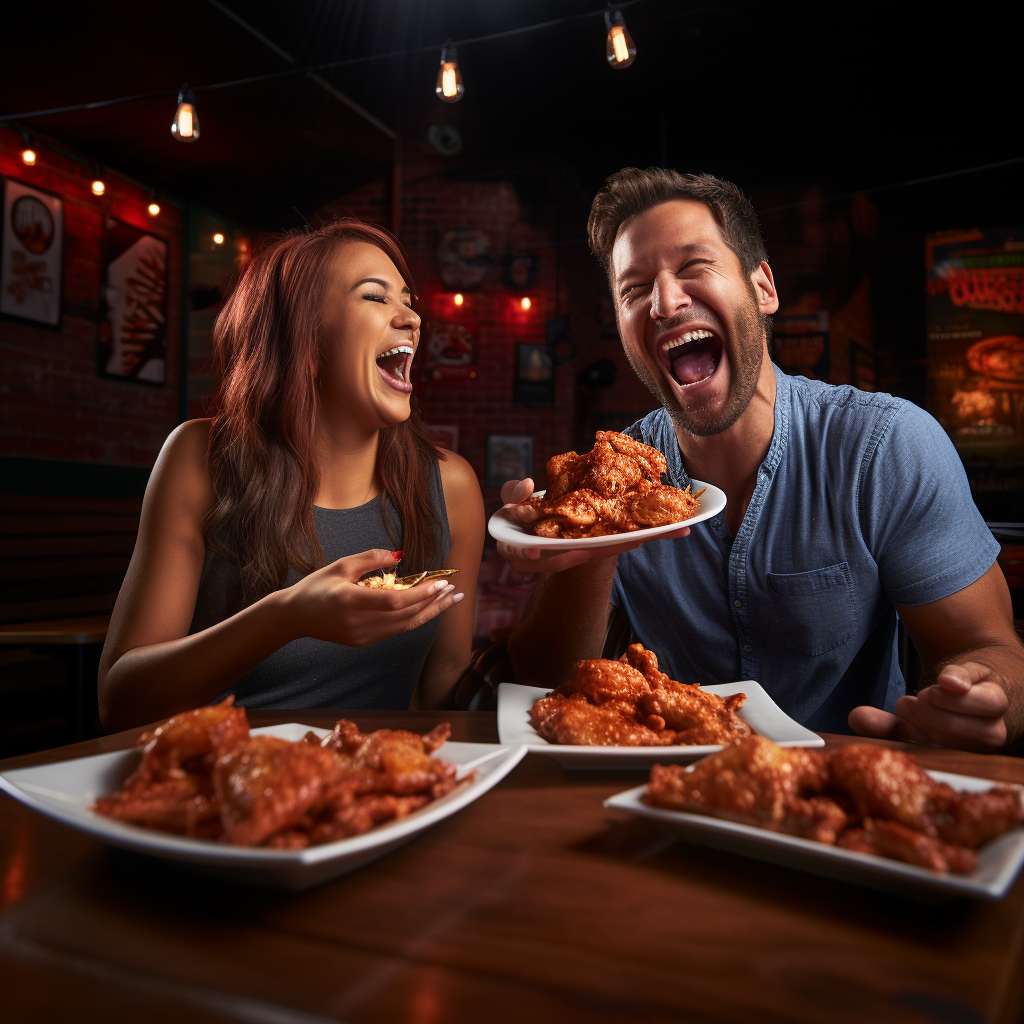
[[999, 860], [65, 790], [759, 711]]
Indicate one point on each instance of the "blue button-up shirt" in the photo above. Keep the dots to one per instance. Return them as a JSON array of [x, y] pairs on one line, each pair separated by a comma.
[[861, 504]]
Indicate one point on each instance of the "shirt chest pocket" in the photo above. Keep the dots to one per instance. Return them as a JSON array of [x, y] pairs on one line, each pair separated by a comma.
[[812, 612]]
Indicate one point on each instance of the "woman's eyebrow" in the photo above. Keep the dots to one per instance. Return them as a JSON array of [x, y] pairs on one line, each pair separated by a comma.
[[371, 280]]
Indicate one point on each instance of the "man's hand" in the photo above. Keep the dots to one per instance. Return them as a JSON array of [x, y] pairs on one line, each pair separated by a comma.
[[530, 560], [964, 708]]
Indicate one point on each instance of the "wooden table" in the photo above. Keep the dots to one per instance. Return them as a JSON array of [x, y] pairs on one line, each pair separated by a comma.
[[534, 904]]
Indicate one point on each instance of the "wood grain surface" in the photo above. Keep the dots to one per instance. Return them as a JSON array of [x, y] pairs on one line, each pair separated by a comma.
[[532, 904]]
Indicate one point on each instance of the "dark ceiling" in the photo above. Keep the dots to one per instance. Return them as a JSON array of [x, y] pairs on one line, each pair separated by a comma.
[[775, 97]]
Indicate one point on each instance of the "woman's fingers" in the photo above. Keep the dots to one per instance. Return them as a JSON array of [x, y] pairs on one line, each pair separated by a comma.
[[514, 491], [353, 566]]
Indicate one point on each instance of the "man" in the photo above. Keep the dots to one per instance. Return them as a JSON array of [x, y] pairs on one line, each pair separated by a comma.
[[844, 508]]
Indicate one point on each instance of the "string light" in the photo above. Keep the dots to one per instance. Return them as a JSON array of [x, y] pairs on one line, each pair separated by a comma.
[[185, 127], [218, 239], [154, 209], [98, 187], [459, 299], [525, 302], [449, 78], [619, 47]]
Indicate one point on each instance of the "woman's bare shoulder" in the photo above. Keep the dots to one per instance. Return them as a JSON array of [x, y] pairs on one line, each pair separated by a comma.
[[458, 478], [181, 474]]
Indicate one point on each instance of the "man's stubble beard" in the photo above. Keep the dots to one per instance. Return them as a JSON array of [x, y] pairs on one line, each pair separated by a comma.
[[748, 331]]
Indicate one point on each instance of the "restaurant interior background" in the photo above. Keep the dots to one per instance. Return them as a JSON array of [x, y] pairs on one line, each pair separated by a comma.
[[880, 149]]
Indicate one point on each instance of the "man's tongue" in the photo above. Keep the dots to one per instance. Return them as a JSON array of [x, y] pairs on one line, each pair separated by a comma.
[[695, 362]]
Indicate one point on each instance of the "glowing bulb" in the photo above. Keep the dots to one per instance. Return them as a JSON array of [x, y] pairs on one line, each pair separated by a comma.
[[525, 302], [449, 79], [459, 299], [154, 209], [619, 48], [185, 127], [28, 157], [218, 239], [98, 188]]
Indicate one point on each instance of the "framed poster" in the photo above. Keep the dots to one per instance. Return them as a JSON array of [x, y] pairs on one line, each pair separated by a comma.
[[450, 352], [31, 254], [509, 457], [535, 376], [132, 341]]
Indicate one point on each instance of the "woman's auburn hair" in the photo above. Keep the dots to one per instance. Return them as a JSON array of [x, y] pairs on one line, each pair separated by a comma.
[[263, 460]]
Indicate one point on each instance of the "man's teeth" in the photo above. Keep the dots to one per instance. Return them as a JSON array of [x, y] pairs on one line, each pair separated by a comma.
[[684, 339]]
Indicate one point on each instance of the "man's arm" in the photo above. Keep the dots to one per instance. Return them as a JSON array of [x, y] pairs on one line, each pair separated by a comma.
[[972, 693]]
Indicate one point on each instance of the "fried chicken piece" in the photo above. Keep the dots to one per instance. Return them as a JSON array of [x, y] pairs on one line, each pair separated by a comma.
[[897, 842], [192, 741], [889, 784], [698, 716], [267, 785], [601, 680], [662, 505], [574, 720], [353, 816], [400, 761], [183, 805], [754, 782]]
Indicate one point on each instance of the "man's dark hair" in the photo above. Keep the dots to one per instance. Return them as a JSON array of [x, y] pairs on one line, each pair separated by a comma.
[[631, 192]]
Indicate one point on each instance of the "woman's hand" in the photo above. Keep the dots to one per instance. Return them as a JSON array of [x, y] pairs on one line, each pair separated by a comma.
[[327, 604], [530, 560]]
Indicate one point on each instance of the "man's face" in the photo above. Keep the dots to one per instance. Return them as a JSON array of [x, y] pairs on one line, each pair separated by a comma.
[[692, 323]]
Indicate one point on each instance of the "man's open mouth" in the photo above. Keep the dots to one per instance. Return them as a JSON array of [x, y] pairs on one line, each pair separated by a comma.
[[395, 364], [691, 357]]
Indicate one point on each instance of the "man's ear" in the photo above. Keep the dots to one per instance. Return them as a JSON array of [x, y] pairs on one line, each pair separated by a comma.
[[764, 289]]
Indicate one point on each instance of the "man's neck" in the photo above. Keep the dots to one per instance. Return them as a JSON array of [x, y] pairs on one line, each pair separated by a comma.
[[730, 460]]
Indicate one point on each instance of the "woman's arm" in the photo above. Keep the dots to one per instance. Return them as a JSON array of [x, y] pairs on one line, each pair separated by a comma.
[[151, 668], [450, 652]]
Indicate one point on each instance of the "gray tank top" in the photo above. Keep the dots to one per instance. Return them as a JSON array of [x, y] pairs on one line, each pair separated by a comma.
[[310, 673]]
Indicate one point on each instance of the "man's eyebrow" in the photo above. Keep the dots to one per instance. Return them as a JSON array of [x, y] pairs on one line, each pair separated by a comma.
[[380, 281]]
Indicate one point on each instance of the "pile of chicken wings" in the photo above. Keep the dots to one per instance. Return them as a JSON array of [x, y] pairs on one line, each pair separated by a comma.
[[614, 488], [860, 797], [632, 703], [202, 774]]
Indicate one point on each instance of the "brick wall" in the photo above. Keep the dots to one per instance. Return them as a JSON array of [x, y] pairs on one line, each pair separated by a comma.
[[52, 403]]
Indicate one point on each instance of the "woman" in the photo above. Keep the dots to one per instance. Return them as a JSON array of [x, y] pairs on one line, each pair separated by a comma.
[[316, 470]]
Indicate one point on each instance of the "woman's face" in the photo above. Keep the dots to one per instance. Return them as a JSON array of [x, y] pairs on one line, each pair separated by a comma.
[[370, 335]]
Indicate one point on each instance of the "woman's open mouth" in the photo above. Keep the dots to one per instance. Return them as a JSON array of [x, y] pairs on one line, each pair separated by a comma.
[[692, 357], [394, 366]]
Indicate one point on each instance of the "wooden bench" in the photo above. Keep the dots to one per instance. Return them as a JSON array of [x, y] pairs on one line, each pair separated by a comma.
[[62, 561]]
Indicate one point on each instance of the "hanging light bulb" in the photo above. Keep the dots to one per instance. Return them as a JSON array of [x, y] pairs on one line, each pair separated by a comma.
[[459, 299], [218, 239], [28, 154], [619, 48], [154, 209], [449, 79], [98, 187], [185, 127], [525, 303]]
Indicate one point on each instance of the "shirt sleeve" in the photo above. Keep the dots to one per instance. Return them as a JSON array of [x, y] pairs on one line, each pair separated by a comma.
[[917, 515]]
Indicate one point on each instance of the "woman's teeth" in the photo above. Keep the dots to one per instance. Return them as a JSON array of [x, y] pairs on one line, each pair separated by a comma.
[[398, 357]]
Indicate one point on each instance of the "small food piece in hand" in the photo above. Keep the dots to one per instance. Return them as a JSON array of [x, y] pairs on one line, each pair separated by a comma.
[[755, 782], [385, 582], [614, 488]]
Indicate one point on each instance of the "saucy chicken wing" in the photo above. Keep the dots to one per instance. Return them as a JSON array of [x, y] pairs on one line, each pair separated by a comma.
[[614, 488], [754, 782], [574, 720]]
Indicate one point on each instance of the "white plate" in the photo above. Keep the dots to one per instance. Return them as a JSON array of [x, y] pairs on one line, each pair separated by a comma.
[[65, 790], [999, 860], [760, 712], [502, 527]]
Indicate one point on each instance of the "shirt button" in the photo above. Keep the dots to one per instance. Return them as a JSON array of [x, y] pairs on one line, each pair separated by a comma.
[[747, 648], [738, 603]]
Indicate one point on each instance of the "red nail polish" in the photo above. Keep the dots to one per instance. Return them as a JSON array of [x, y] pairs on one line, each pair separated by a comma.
[[397, 555]]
